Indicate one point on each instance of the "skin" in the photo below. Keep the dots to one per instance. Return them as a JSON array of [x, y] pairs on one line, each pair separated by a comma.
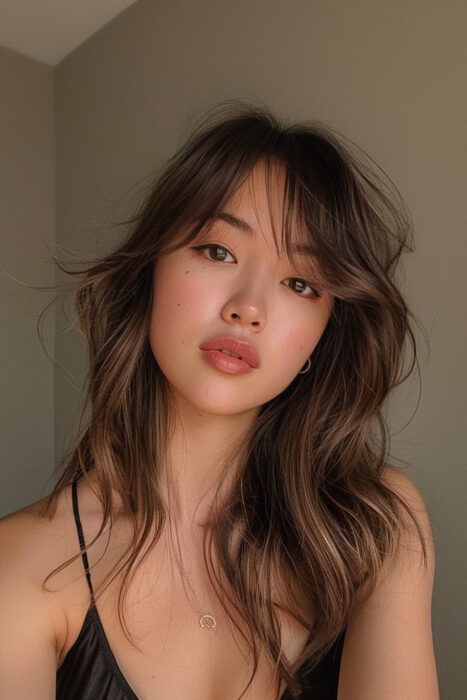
[[388, 649], [247, 289]]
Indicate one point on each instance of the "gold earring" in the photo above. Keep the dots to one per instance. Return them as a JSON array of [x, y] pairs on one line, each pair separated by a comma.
[[306, 367]]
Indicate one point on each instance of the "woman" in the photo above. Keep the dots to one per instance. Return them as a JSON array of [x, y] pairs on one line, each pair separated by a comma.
[[240, 532]]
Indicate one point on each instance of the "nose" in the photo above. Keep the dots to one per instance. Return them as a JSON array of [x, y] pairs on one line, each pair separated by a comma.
[[246, 308]]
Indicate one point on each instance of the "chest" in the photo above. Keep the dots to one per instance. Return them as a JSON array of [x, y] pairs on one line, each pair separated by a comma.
[[173, 656]]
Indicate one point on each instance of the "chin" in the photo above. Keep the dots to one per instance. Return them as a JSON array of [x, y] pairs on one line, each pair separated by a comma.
[[216, 400], [214, 406]]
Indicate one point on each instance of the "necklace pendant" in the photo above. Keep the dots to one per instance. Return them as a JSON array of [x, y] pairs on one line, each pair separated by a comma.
[[207, 621]]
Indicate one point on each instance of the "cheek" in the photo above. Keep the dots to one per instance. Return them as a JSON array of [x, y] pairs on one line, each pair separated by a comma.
[[180, 299], [300, 337], [173, 295]]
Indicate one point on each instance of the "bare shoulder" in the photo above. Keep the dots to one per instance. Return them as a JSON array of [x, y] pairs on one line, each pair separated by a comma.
[[31, 540], [389, 633], [32, 617], [412, 548], [404, 486], [39, 612], [34, 541], [31, 546]]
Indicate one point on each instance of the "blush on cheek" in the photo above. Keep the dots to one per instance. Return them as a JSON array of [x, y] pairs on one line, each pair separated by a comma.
[[299, 345], [181, 290]]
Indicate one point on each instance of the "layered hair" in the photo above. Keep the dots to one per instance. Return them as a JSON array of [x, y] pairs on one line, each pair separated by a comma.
[[317, 522]]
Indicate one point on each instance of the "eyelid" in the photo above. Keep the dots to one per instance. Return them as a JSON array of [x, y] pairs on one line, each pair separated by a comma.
[[316, 292], [199, 248]]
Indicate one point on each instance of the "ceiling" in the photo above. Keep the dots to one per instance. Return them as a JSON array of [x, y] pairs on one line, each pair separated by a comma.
[[48, 30]]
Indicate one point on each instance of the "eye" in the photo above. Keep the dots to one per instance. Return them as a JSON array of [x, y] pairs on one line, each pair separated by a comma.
[[215, 253], [301, 286]]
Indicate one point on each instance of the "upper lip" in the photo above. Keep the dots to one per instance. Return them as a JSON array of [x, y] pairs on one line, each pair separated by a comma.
[[235, 345]]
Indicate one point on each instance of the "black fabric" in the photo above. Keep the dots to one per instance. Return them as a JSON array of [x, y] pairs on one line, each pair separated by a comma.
[[90, 670]]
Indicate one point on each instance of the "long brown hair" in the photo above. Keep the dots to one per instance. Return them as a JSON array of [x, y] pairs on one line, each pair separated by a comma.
[[317, 522]]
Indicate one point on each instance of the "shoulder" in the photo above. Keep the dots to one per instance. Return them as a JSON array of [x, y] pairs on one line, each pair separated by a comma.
[[35, 540], [404, 486], [32, 617], [33, 544], [389, 633], [31, 540], [26, 540], [417, 536]]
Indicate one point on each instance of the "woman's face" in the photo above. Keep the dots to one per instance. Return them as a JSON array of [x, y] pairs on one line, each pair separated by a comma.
[[231, 284]]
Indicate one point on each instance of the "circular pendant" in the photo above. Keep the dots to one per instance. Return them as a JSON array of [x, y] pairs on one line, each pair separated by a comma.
[[207, 621]]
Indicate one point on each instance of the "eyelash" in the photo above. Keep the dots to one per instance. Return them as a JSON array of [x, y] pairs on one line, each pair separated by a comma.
[[200, 248]]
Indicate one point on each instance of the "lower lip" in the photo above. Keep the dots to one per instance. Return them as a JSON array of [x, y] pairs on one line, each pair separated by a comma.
[[226, 363]]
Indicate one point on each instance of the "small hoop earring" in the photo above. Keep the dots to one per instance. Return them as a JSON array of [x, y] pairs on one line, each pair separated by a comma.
[[306, 367]]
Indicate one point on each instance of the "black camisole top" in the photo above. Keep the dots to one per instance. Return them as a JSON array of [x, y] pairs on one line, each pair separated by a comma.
[[90, 670]]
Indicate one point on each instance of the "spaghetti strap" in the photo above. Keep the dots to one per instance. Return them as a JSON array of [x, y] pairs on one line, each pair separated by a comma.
[[82, 544]]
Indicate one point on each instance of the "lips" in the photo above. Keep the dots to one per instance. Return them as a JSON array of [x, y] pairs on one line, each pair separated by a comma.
[[236, 347]]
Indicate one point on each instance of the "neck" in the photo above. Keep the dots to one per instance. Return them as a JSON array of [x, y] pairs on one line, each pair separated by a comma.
[[199, 446]]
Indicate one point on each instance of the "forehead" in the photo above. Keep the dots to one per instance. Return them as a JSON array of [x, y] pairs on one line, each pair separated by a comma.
[[262, 193], [263, 207]]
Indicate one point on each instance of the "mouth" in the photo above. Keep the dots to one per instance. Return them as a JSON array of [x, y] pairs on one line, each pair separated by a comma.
[[232, 354], [233, 347], [226, 361]]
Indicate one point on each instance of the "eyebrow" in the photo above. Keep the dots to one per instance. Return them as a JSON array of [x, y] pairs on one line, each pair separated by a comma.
[[244, 227], [236, 222]]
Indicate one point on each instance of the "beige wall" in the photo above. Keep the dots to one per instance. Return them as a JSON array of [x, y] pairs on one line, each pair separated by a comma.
[[26, 234], [392, 77]]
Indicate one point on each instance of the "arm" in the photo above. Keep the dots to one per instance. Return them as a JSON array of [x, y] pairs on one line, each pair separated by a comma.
[[388, 649], [28, 656]]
